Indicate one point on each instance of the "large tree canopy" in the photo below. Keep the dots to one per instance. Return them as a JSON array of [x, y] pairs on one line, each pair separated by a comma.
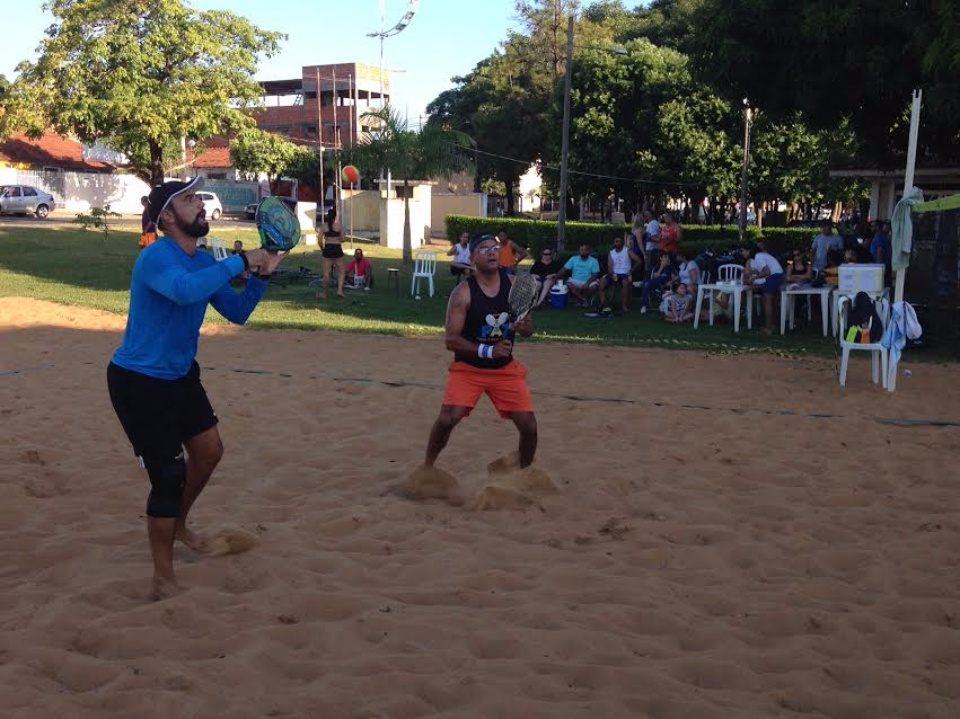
[[139, 75], [254, 151], [832, 61]]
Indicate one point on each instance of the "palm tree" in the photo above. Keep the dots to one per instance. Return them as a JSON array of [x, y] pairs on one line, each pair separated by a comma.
[[408, 154]]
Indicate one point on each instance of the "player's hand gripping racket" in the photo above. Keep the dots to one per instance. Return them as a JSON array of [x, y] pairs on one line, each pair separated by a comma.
[[523, 295], [279, 228]]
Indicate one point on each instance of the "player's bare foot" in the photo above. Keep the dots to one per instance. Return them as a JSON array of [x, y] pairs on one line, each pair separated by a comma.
[[163, 588], [321, 295], [196, 542]]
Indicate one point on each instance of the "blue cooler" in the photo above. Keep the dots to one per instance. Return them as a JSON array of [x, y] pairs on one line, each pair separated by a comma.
[[558, 296]]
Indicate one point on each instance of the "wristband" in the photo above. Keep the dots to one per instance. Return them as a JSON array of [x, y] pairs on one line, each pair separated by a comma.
[[485, 351], [246, 262]]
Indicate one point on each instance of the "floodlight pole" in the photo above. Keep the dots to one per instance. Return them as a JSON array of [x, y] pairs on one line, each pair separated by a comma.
[[565, 140], [747, 119]]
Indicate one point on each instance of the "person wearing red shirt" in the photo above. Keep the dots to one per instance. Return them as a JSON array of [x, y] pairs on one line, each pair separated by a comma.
[[359, 271]]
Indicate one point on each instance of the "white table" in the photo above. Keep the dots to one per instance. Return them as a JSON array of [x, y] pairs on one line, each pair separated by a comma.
[[787, 295], [736, 289]]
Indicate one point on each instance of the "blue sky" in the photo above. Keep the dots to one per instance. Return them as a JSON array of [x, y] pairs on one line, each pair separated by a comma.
[[446, 38]]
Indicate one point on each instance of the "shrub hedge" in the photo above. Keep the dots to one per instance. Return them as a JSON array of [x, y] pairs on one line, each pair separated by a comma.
[[536, 234]]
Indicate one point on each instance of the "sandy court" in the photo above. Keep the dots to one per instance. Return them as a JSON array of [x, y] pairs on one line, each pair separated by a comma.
[[715, 549]]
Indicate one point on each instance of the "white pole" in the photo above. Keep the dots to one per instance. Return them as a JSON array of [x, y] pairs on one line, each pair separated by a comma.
[[908, 175], [907, 186]]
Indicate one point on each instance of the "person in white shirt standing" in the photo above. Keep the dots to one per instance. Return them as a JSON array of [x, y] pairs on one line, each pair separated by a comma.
[[824, 242], [761, 265], [621, 262], [651, 240]]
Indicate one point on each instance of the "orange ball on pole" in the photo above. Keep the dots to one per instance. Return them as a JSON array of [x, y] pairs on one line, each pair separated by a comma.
[[350, 174]]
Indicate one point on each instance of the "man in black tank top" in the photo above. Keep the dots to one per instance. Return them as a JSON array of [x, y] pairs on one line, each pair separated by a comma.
[[479, 333]]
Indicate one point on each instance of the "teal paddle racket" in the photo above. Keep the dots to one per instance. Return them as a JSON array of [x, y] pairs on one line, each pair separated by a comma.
[[279, 228]]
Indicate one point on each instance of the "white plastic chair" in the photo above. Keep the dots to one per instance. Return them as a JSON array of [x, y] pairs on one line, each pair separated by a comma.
[[878, 353], [424, 267], [730, 274], [219, 249], [730, 281]]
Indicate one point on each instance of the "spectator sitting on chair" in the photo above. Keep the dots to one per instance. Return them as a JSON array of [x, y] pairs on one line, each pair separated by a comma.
[[621, 262], [798, 269], [460, 266], [584, 271], [359, 271], [545, 270], [661, 278], [764, 271], [688, 272], [237, 247], [511, 254], [721, 307]]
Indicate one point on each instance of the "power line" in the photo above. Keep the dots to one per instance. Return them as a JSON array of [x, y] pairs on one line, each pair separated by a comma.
[[572, 172]]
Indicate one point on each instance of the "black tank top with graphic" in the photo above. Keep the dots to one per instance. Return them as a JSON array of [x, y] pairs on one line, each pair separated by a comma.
[[487, 322]]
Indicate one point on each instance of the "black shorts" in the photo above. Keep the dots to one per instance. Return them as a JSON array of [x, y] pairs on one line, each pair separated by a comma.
[[159, 415], [332, 252]]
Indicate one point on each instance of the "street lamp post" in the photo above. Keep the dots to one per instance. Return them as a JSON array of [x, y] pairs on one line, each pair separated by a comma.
[[384, 33], [747, 119], [565, 139]]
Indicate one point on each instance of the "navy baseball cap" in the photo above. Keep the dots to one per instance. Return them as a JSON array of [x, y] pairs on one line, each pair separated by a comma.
[[161, 195]]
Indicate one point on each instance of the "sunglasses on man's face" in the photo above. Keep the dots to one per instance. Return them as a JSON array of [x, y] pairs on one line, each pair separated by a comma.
[[488, 250]]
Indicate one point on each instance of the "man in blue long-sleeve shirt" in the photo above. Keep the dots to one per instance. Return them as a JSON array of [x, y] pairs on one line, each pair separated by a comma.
[[153, 377]]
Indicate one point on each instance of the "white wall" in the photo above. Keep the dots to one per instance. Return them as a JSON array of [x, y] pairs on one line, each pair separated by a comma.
[[391, 218], [84, 190]]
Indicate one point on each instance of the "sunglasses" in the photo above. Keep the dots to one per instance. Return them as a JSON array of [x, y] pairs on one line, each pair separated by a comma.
[[489, 250]]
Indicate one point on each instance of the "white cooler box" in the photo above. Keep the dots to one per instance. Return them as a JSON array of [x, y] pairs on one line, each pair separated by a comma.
[[860, 278]]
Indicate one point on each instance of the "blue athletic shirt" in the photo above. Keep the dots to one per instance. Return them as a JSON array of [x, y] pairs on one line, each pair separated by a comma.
[[169, 293]]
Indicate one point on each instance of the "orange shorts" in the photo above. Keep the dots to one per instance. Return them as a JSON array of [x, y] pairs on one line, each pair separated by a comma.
[[506, 387]]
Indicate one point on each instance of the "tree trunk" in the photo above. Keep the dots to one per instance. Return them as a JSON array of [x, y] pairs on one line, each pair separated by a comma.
[[156, 164], [407, 243], [510, 198]]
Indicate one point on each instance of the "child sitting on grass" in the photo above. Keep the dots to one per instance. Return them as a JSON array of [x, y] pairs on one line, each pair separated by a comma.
[[679, 305]]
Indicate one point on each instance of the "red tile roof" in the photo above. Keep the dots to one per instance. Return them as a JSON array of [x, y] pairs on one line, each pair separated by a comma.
[[50, 150], [214, 155]]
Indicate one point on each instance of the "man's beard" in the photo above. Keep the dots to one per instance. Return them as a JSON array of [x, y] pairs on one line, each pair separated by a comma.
[[198, 228]]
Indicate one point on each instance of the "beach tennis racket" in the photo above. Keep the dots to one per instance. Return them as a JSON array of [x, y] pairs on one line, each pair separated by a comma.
[[523, 295], [279, 228]]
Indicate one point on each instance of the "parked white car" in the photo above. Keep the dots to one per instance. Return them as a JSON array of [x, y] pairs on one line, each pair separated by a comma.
[[24, 200], [211, 203]]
